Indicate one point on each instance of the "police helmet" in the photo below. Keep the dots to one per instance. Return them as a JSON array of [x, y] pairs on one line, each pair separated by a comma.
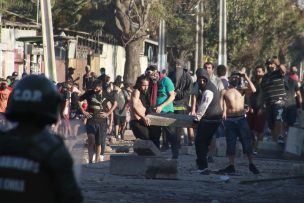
[[35, 99]]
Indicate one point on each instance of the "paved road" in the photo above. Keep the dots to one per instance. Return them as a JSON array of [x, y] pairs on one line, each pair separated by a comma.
[[98, 185]]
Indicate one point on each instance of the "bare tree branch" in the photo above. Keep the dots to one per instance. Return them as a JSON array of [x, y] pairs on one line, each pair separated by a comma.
[[122, 20], [146, 12]]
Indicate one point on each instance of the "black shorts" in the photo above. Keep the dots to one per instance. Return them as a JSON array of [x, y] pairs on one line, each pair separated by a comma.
[[119, 120], [99, 130]]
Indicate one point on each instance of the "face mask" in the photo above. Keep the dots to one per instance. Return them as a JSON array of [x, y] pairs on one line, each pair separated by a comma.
[[202, 85], [234, 82], [144, 92]]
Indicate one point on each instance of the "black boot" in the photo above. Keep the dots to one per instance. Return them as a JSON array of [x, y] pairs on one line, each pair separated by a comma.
[[253, 169]]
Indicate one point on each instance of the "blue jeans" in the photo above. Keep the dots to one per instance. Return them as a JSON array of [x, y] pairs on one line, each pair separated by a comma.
[[205, 132], [238, 127], [274, 112]]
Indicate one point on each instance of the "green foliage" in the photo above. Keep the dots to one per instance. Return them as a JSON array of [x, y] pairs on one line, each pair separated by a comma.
[[68, 13], [256, 29], [23, 7], [180, 19]]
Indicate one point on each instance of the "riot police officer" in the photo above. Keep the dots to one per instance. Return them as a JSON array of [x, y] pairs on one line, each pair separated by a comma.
[[35, 165]]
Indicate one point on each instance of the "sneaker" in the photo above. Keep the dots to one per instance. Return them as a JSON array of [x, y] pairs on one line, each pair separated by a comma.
[[281, 141], [101, 157], [253, 169], [228, 169], [205, 171]]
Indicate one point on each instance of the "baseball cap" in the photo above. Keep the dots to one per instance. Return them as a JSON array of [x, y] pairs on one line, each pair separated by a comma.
[[15, 74]]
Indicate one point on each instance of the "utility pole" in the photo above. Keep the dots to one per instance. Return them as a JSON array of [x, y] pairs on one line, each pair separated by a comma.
[[48, 40], [196, 66], [37, 14], [199, 39], [222, 55], [162, 58]]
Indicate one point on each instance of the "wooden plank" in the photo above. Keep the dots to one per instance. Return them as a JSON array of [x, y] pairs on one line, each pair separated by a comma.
[[175, 120]]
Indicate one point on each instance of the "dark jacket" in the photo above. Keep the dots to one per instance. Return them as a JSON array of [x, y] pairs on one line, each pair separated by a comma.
[[183, 88], [41, 164], [214, 110]]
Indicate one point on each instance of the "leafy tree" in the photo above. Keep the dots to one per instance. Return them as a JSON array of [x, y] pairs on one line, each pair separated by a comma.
[[181, 19], [256, 28], [261, 28], [23, 7], [69, 13], [133, 20]]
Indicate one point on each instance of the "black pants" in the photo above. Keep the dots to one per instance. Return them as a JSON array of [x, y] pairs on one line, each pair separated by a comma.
[[141, 131], [205, 131], [171, 136]]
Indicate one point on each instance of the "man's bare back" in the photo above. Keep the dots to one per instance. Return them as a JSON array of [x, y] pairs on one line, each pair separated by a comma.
[[234, 101]]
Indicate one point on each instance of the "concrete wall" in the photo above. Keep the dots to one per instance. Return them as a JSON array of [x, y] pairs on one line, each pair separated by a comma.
[[8, 47], [113, 59]]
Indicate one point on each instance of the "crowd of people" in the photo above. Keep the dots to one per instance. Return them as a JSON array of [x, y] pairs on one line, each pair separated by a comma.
[[238, 107]]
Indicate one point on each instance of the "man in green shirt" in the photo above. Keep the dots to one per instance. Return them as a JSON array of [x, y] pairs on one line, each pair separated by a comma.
[[164, 104]]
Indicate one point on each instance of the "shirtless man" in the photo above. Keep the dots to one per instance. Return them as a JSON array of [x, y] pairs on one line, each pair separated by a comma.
[[140, 104], [232, 102]]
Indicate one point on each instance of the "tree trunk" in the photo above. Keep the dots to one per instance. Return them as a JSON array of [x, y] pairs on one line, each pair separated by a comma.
[[132, 66]]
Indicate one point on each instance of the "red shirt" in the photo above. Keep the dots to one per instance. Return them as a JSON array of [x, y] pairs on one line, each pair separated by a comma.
[[294, 77]]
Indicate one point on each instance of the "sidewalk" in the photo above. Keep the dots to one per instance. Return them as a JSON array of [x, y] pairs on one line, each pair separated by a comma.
[[98, 185]]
